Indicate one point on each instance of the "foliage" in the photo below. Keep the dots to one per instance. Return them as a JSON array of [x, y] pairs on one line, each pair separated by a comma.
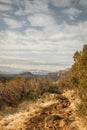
[[17, 89], [79, 78], [64, 82]]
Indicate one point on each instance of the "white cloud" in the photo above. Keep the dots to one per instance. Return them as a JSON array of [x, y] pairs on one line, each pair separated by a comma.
[[41, 20], [39, 6], [83, 3], [47, 41], [32, 67], [61, 3], [8, 39], [5, 8], [35, 6], [6, 1], [72, 12], [50, 38], [12, 23]]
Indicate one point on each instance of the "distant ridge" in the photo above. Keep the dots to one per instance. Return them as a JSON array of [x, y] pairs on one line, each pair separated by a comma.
[[58, 74], [35, 73], [26, 75]]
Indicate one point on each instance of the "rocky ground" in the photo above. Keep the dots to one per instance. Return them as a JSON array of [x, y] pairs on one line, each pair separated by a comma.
[[57, 116], [51, 112]]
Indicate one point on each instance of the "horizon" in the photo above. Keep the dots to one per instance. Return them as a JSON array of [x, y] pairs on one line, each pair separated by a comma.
[[35, 72], [41, 34]]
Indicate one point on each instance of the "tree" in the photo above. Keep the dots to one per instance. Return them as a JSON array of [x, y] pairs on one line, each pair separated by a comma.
[[79, 78]]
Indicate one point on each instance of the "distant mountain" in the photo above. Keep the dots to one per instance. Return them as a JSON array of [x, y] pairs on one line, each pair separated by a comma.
[[58, 74], [34, 73], [6, 76], [26, 75], [9, 76]]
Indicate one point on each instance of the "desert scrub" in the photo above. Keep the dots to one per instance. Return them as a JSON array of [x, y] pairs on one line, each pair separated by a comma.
[[79, 81], [81, 111], [17, 89]]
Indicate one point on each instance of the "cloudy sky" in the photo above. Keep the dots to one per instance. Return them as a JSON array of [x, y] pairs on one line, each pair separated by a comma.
[[41, 34]]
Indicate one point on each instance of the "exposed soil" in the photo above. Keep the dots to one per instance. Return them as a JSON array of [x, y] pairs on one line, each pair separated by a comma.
[[57, 116], [51, 112]]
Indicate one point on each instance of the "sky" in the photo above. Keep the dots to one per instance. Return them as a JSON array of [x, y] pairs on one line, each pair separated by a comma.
[[41, 34]]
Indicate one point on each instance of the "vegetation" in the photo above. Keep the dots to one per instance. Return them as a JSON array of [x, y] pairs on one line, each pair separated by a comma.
[[79, 80], [17, 89], [64, 82], [76, 78]]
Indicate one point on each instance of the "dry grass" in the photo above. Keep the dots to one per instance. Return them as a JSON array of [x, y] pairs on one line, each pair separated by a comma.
[[28, 109], [24, 111], [19, 92], [14, 91]]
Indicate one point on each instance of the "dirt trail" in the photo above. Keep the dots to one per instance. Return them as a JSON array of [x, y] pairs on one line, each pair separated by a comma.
[[57, 116], [44, 114]]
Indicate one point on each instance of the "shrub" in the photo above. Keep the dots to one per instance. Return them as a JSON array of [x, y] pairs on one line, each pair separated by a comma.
[[79, 80], [15, 90]]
